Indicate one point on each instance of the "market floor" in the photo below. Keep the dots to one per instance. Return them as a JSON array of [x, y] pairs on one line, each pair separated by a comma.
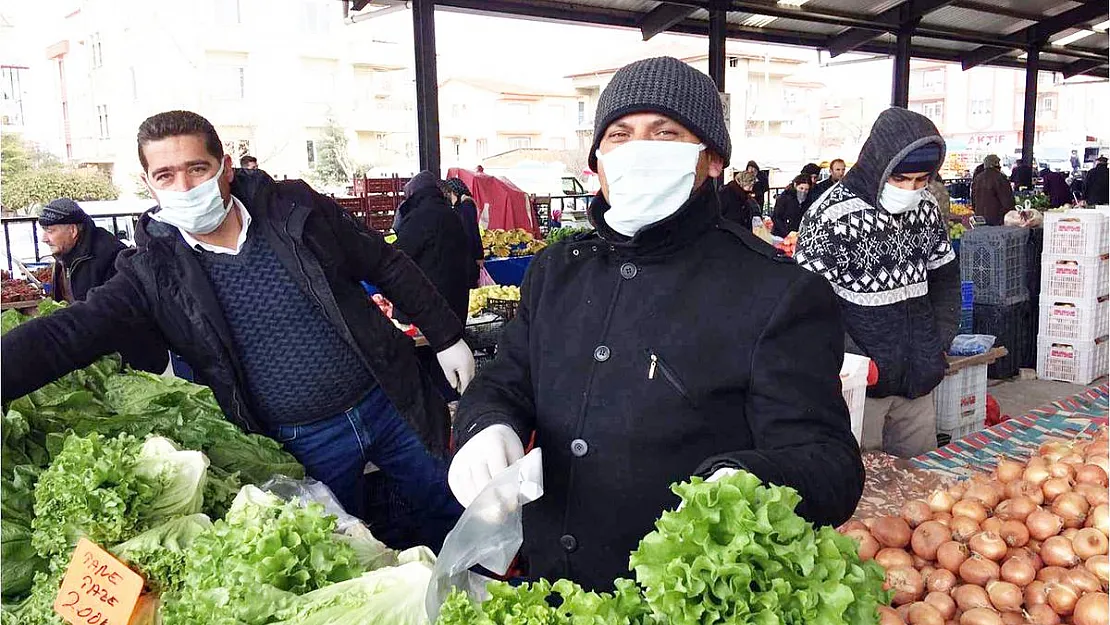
[[1016, 397]]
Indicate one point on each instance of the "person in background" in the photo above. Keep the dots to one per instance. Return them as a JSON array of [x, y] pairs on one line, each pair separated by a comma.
[[248, 162], [459, 195], [1021, 177], [885, 250], [813, 172], [991, 195], [1075, 164], [1097, 184], [836, 173], [738, 203], [1055, 186], [789, 207], [761, 188]]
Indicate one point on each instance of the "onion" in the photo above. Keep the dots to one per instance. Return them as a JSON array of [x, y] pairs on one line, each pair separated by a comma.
[[941, 501], [906, 583], [980, 616], [1018, 571], [942, 517], [1054, 450], [983, 493], [1082, 581], [920, 563], [1075, 457], [979, 571], [1057, 551], [1051, 574], [1036, 593], [889, 616], [992, 524], [940, 580], [963, 528], [1100, 566], [1041, 614], [1005, 597], [1091, 474], [868, 546], [852, 525], [1092, 609], [1062, 469], [1036, 473], [989, 545], [951, 555], [891, 531], [922, 613], [1014, 533], [891, 558], [1008, 470], [1062, 598], [970, 596], [1089, 542], [1099, 518], [1016, 508], [1072, 508], [1043, 524], [943, 602], [971, 508], [1013, 618], [928, 537], [1021, 488], [1054, 487], [1096, 495], [916, 512]]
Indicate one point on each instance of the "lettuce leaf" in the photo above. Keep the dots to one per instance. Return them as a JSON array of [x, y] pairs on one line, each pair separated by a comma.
[[159, 553], [392, 595]]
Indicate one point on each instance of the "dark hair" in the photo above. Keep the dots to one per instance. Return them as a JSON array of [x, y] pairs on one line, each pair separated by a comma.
[[752, 164], [811, 169], [247, 158], [837, 160], [176, 124], [802, 179]]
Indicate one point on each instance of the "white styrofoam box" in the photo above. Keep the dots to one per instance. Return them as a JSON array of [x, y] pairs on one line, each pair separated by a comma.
[[961, 402], [1078, 232], [1078, 277], [1071, 319], [1078, 362], [853, 382]]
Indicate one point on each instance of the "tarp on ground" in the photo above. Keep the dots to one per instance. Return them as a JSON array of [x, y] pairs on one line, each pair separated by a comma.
[[501, 204]]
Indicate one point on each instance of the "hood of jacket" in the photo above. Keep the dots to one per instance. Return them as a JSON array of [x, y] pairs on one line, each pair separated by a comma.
[[896, 133]]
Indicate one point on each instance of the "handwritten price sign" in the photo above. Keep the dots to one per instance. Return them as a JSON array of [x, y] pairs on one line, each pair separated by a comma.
[[97, 589]]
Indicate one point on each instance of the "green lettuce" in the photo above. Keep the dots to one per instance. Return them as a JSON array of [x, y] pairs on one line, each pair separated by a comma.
[[393, 595], [544, 603], [159, 553]]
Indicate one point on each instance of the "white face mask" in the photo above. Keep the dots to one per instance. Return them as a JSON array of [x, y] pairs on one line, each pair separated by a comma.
[[648, 182], [802, 195], [897, 201], [199, 210]]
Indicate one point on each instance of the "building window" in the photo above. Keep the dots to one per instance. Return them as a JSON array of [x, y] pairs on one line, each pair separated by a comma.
[[11, 94], [482, 148], [581, 112], [102, 120], [933, 110], [517, 143], [316, 18], [1047, 104], [791, 96], [981, 107], [458, 111], [932, 79], [410, 149], [310, 146], [733, 61], [229, 82], [97, 51]]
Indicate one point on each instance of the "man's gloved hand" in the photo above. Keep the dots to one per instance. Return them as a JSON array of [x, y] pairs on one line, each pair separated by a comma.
[[721, 473], [489, 452], [457, 362]]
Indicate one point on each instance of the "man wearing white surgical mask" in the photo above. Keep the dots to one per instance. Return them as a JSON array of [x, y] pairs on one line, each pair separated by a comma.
[[668, 343], [256, 284], [879, 239]]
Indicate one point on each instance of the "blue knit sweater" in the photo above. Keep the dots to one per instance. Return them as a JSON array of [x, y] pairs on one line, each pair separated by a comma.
[[298, 368]]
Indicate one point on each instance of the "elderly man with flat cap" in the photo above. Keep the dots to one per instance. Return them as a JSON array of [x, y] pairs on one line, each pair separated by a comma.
[[668, 343]]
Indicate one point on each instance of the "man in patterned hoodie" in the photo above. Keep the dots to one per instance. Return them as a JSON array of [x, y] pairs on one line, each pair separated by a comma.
[[879, 240]]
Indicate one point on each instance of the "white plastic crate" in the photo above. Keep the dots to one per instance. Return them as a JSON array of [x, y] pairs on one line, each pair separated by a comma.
[[1077, 277], [961, 402], [853, 382], [1077, 232], [1072, 361], [1071, 319]]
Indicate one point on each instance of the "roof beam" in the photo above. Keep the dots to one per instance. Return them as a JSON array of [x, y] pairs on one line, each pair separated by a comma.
[[1037, 34], [663, 17], [1081, 66], [903, 16], [984, 7]]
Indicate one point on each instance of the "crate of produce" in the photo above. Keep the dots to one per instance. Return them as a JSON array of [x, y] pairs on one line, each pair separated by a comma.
[[1077, 277], [853, 383], [1078, 232], [1012, 327], [1078, 362], [961, 402], [1075, 319], [994, 259]]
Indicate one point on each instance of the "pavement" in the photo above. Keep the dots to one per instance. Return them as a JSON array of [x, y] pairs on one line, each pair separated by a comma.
[[1017, 396]]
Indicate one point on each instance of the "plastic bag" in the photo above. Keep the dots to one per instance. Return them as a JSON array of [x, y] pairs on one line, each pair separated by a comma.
[[489, 533], [971, 344], [484, 278]]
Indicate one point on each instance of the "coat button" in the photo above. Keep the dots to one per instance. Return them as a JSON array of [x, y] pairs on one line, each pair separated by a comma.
[[579, 447], [569, 543], [629, 271], [601, 354]]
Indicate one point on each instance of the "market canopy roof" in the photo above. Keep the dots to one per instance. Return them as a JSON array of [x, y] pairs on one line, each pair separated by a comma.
[[1071, 34]]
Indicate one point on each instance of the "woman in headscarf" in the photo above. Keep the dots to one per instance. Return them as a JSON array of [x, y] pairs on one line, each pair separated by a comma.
[[461, 199]]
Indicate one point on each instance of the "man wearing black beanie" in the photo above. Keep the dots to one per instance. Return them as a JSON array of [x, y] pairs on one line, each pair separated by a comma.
[[668, 343], [878, 238]]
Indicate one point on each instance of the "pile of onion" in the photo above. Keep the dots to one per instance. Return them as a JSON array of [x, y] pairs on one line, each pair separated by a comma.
[[1026, 544]]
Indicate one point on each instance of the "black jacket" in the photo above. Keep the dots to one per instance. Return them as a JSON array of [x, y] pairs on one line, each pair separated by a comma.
[[1097, 183], [639, 363], [992, 196], [788, 212], [162, 284], [737, 205], [1021, 176], [431, 233], [468, 212]]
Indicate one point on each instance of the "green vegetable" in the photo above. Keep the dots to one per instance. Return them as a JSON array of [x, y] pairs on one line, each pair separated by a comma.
[[564, 233], [38, 607], [159, 553], [393, 595], [735, 552], [9, 319], [18, 559], [530, 604]]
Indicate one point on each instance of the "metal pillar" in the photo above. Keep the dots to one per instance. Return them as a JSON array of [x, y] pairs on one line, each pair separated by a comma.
[[718, 30], [900, 94], [1029, 121], [427, 85]]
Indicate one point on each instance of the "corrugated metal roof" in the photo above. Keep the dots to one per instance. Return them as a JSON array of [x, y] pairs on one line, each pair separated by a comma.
[[969, 19]]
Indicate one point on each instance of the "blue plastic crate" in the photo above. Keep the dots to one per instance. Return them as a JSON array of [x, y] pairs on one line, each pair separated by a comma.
[[994, 259], [967, 294]]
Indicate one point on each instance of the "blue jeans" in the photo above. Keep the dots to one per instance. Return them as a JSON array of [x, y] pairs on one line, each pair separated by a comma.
[[335, 451]]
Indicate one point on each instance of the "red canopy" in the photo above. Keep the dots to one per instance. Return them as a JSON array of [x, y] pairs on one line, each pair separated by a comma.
[[501, 204]]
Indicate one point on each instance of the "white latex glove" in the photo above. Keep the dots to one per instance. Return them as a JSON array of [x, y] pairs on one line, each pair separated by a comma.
[[457, 362], [482, 457], [720, 473]]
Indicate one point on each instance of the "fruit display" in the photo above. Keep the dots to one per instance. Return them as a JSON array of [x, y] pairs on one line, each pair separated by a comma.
[[956, 230], [15, 290], [961, 210], [562, 234], [480, 297], [510, 243], [1026, 543]]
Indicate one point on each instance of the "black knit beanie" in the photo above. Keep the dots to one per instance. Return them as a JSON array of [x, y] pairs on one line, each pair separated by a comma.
[[62, 211], [670, 87]]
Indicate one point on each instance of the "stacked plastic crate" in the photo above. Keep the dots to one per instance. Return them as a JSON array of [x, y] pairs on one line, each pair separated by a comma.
[[994, 259], [1075, 297], [967, 307]]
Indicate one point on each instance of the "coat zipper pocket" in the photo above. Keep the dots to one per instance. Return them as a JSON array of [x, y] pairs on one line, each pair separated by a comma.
[[658, 366]]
